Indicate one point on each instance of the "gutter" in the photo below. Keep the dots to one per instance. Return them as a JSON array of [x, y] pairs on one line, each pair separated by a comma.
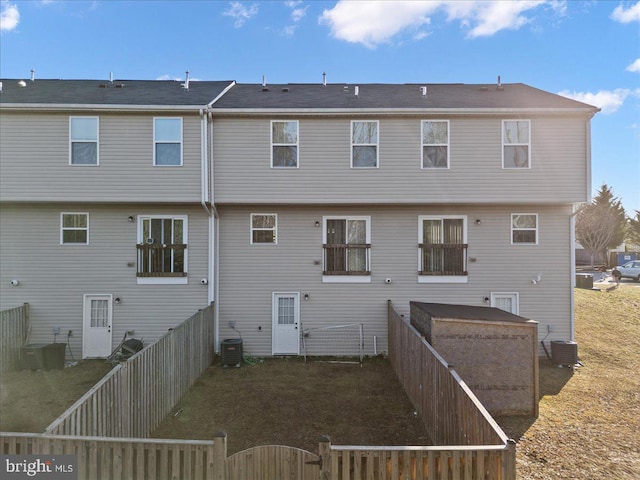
[[101, 107], [403, 111]]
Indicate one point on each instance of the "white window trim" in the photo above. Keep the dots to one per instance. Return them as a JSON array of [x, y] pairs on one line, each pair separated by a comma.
[[97, 142], [422, 145], [348, 278], [537, 229], [185, 234], [496, 295], [377, 144], [155, 142], [441, 278], [252, 229], [528, 144], [297, 144], [63, 229]]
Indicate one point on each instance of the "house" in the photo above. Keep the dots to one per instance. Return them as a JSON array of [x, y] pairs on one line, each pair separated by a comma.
[[334, 198], [297, 208], [106, 211]]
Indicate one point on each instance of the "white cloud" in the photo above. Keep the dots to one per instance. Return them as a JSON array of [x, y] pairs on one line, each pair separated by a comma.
[[9, 16], [240, 13], [375, 22], [626, 15], [298, 13], [634, 67], [608, 100]]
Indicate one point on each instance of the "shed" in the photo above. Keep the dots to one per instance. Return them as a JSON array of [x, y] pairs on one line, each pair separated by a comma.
[[494, 352]]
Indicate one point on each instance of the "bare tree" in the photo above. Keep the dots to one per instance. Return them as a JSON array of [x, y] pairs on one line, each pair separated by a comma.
[[595, 229]]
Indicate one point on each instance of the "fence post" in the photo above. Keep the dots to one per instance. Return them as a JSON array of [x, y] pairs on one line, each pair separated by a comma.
[[125, 401], [219, 456], [324, 451], [509, 461]]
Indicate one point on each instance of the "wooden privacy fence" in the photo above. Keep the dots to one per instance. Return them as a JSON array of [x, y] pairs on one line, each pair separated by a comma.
[[136, 396], [451, 413], [14, 327], [132, 458]]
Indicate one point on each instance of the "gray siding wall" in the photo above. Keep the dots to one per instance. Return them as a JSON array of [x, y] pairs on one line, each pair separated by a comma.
[[243, 175], [53, 277], [251, 273], [34, 160]]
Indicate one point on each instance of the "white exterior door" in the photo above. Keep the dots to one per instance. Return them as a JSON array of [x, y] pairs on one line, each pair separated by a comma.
[[96, 335], [506, 301], [286, 322]]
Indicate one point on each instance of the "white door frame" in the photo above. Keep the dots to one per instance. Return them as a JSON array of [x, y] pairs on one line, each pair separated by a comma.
[[289, 332], [96, 344], [515, 296]]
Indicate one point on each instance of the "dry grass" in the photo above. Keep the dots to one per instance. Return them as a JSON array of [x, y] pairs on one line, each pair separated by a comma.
[[589, 423], [288, 402], [31, 400]]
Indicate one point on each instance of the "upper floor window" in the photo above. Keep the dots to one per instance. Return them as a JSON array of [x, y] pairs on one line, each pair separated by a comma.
[[442, 248], [364, 143], [74, 228], [516, 143], [435, 144], [167, 141], [524, 228], [83, 140], [162, 246], [347, 248], [264, 228], [284, 143]]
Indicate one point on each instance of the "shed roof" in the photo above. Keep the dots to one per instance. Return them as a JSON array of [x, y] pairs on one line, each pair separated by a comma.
[[469, 312]]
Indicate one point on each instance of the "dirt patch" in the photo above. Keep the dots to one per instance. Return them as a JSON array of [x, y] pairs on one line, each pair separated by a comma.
[[31, 400], [288, 402]]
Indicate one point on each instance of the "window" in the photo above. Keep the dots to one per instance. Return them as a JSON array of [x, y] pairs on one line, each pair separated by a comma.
[[347, 247], [516, 144], [167, 142], [442, 249], [284, 143], [264, 228], [74, 228], [162, 247], [509, 302], [83, 140], [524, 228], [435, 144], [364, 144]]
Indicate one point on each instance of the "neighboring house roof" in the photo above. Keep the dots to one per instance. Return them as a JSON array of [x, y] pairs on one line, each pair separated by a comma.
[[375, 96], [103, 93]]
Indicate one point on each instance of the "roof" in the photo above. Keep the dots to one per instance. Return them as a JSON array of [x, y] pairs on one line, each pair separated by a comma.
[[468, 312], [106, 93], [394, 96]]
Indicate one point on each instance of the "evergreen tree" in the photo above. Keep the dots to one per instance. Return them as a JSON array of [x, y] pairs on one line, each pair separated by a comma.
[[634, 229]]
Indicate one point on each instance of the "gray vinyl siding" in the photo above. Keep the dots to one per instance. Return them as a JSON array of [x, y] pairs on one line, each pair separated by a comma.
[[34, 160], [251, 273], [53, 277], [243, 175]]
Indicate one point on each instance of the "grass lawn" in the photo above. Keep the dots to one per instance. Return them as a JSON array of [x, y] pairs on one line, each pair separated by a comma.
[[31, 400], [589, 423]]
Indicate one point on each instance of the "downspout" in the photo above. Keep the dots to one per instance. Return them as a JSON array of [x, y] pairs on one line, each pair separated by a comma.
[[214, 244]]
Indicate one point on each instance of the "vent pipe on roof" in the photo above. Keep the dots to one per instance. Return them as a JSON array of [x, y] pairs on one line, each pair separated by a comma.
[[33, 75], [423, 90], [356, 90], [499, 83], [264, 83], [110, 77], [186, 81], [0, 87], [324, 79]]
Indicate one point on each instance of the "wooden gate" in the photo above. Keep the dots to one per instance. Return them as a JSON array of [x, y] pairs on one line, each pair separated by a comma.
[[270, 462]]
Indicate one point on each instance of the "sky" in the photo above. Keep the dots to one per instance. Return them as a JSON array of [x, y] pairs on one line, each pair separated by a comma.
[[586, 50]]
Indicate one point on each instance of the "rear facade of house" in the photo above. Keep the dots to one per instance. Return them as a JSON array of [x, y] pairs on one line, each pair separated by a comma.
[[333, 199], [105, 208], [128, 205]]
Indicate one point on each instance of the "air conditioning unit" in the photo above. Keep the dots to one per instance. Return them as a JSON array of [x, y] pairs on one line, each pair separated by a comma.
[[564, 353]]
